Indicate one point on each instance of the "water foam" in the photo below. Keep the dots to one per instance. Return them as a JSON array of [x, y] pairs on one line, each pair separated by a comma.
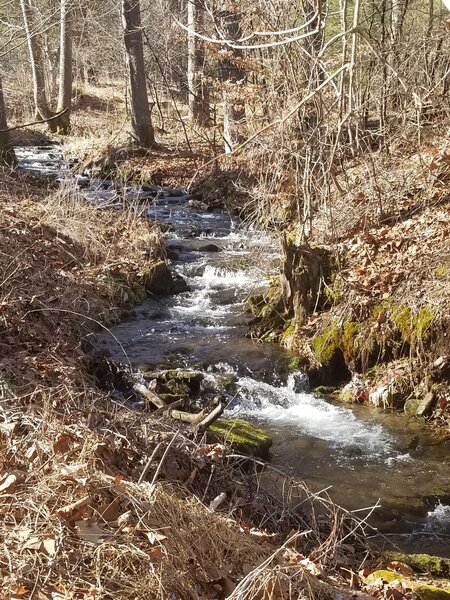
[[311, 416]]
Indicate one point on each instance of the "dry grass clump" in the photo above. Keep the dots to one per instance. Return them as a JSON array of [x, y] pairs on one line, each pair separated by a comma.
[[86, 513], [63, 262]]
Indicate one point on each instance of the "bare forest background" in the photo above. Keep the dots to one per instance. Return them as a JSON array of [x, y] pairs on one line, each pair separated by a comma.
[[293, 89]]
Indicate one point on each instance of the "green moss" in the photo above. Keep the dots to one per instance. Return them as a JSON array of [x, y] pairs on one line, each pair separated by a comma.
[[413, 327], [441, 271], [423, 563], [242, 435], [402, 319], [388, 576], [349, 337], [422, 322], [380, 310], [431, 592], [295, 363], [326, 343], [289, 331], [333, 294]]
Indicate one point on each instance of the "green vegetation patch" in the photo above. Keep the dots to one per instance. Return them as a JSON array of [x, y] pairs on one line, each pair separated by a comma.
[[243, 436], [423, 563], [326, 343], [431, 592], [385, 575]]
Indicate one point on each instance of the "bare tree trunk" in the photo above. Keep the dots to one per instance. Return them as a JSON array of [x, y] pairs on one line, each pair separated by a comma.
[[6, 152], [140, 109], [313, 43], [232, 74], [65, 66], [37, 60], [197, 92], [398, 12]]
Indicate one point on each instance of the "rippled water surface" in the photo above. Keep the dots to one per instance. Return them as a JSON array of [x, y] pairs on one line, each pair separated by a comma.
[[360, 455]]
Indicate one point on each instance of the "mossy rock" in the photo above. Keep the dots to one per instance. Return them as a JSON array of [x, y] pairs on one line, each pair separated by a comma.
[[411, 407], [423, 563], [385, 575], [431, 592], [173, 384], [160, 281], [242, 435]]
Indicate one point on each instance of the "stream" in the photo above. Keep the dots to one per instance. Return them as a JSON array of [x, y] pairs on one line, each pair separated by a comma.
[[358, 454]]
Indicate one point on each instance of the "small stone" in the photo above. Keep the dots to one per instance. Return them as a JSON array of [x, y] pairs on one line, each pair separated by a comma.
[[411, 407]]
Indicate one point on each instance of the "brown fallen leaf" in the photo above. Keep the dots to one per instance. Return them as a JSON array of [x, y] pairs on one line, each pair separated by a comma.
[[8, 482], [111, 511], [400, 567], [18, 591], [90, 532], [62, 443], [74, 511]]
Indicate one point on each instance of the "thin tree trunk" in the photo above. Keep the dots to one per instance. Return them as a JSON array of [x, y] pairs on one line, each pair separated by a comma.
[[232, 74], [37, 60], [65, 66], [6, 152], [140, 109], [198, 100]]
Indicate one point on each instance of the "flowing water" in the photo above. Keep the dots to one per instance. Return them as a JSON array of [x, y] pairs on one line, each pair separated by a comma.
[[358, 454]]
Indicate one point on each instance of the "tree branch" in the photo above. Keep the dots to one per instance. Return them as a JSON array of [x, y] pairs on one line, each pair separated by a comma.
[[34, 122]]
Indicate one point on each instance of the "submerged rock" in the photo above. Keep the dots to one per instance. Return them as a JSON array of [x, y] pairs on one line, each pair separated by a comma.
[[299, 382], [243, 436]]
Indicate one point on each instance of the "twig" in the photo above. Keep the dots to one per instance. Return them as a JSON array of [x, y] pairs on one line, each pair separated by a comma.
[[213, 416], [148, 463], [34, 122], [161, 462], [153, 398]]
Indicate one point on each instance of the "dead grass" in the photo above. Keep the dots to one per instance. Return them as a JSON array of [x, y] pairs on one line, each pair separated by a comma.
[[78, 521], [63, 263]]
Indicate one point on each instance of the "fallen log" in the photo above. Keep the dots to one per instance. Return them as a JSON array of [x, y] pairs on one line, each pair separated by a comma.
[[148, 395], [213, 416], [186, 417], [201, 420]]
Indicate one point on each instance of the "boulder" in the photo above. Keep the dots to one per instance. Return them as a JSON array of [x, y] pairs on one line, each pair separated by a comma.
[[173, 384], [242, 435], [159, 280], [411, 407]]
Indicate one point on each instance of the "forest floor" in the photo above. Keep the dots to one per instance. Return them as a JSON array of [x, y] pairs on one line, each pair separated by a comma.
[[100, 501]]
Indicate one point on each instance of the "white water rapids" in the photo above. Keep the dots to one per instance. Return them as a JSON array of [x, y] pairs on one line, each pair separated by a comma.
[[361, 454]]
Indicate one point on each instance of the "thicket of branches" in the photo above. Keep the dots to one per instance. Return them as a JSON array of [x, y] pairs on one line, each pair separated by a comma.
[[297, 86]]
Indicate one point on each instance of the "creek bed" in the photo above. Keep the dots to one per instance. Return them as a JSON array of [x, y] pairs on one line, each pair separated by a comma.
[[358, 454]]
